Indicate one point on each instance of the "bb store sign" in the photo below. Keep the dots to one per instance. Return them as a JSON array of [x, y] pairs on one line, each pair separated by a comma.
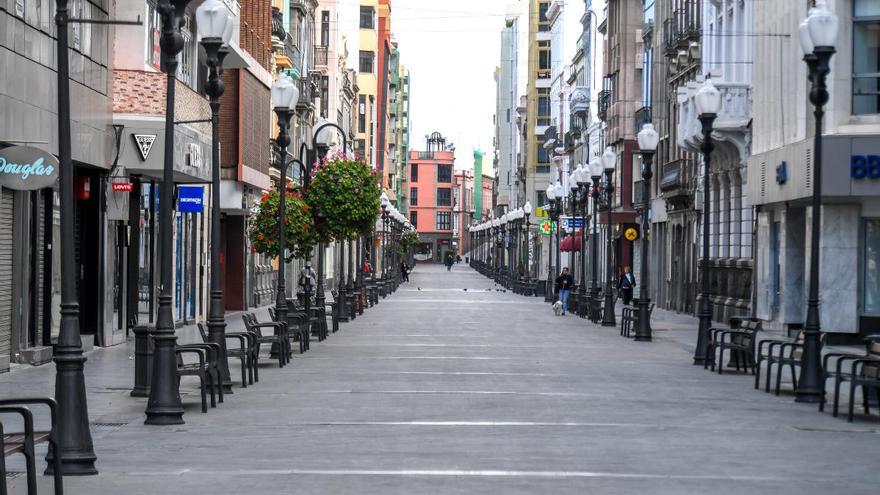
[[25, 168]]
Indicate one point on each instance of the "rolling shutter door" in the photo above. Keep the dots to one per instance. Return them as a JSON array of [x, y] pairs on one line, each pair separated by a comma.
[[6, 235]]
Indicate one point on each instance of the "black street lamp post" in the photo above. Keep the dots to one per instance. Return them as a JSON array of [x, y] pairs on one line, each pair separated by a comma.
[[648, 139], [596, 175], [554, 193], [285, 95], [609, 160], [583, 177], [216, 24], [75, 445], [527, 211], [164, 406], [818, 32], [708, 101]]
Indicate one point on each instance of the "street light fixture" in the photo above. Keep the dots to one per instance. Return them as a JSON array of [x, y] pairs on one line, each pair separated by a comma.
[[595, 171], [527, 210], [284, 95], [583, 177], [609, 161], [708, 101], [164, 406], [648, 140], [818, 32], [215, 25]]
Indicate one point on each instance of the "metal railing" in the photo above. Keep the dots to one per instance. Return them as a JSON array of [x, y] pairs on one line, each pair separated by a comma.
[[604, 102], [320, 56], [675, 174]]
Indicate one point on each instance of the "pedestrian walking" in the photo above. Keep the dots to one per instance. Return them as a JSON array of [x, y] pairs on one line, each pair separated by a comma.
[[404, 271], [626, 284], [449, 262], [564, 282]]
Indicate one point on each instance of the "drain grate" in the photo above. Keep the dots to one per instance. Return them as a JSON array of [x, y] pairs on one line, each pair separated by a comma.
[[109, 425], [10, 475]]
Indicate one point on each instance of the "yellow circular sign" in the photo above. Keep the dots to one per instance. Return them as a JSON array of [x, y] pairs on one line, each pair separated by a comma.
[[631, 234]]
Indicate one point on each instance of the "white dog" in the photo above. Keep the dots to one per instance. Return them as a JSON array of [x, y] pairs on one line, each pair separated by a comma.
[[557, 308]]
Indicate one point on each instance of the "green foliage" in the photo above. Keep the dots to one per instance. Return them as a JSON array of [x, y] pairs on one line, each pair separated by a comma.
[[344, 199], [408, 240], [263, 227]]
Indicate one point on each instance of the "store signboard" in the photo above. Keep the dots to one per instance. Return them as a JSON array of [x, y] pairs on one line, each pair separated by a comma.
[[26, 168], [190, 199]]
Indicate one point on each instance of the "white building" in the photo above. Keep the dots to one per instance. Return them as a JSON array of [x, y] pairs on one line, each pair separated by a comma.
[[780, 178], [509, 87]]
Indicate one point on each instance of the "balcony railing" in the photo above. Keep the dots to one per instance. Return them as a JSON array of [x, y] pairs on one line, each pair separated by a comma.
[[320, 56], [641, 117], [306, 92], [675, 175], [682, 28], [604, 102]]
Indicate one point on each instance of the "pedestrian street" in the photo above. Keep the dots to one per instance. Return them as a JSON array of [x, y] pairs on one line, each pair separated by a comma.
[[450, 385]]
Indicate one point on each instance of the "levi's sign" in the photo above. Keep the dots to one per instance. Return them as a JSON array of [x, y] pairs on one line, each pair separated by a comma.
[[26, 168]]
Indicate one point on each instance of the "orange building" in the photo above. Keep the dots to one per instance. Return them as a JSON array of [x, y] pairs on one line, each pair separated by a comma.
[[431, 198]]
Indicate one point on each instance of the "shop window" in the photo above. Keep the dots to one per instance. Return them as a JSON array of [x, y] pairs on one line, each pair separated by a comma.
[[871, 268]]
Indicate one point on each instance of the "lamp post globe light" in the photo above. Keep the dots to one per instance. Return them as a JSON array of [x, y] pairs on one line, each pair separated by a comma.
[[708, 101], [818, 33], [595, 171], [215, 25], [609, 160], [164, 406], [648, 140]]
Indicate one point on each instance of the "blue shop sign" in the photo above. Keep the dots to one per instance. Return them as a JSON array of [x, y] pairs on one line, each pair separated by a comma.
[[26, 168], [190, 199], [864, 166], [574, 223]]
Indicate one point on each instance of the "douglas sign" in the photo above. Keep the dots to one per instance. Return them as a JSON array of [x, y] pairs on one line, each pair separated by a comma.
[[26, 168]]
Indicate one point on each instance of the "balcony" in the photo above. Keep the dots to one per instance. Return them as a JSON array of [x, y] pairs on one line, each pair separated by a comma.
[[641, 117], [579, 106], [638, 192], [307, 93], [287, 55], [675, 175], [681, 29], [321, 56], [604, 102], [731, 127]]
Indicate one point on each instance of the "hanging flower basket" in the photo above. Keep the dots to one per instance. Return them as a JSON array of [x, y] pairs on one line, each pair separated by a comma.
[[263, 227], [408, 240], [344, 198]]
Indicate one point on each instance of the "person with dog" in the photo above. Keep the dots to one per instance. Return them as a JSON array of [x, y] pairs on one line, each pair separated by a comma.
[[564, 282], [626, 284]]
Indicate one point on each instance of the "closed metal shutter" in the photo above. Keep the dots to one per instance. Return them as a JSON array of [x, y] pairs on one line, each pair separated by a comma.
[[6, 217]]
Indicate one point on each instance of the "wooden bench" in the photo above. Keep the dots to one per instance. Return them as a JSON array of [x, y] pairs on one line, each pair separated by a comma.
[[23, 442]]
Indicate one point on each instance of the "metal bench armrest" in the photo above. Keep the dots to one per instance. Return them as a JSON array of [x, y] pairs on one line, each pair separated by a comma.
[[191, 350]]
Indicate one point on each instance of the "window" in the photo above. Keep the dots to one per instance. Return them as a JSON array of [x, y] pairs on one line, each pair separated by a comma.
[[414, 219], [154, 26], [360, 145], [325, 28], [444, 196], [444, 220], [367, 18], [541, 198], [414, 172], [325, 95], [542, 169], [365, 65], [362, 114], [543, 23], [543, 156], [414, 196], [543, 106], [444, 173], [866, 57], [871, 267], [544, 60]]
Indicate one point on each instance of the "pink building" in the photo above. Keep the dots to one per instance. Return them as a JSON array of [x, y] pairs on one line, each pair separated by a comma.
[[431, 198]]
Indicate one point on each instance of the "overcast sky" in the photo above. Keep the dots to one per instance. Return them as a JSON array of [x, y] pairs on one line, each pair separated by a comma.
[[451, 49]]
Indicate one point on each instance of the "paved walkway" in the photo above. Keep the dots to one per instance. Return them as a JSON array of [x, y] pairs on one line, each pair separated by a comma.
[[445, 390]]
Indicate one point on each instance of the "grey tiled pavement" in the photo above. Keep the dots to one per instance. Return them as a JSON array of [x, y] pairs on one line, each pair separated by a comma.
[[442, 390]]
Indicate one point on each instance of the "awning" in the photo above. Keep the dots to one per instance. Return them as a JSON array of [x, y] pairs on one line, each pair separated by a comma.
[[571, 243]]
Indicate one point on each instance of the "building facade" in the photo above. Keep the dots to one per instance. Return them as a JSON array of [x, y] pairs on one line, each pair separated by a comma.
[[430, 198]]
